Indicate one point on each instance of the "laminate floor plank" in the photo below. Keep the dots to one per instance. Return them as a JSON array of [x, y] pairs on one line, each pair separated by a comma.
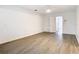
[[42, 43]]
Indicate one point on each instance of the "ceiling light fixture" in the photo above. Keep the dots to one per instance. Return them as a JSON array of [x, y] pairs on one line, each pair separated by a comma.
[[48, 11], [35, 10]]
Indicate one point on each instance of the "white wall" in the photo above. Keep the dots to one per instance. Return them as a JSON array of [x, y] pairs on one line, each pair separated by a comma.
[[46, 23], [52, 24], [69, 23], [77, 24], [18, 23]]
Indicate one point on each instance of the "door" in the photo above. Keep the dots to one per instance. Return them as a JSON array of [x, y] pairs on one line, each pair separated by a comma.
[[59, 25]]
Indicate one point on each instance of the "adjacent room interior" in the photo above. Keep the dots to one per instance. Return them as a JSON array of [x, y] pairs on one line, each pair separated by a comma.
[[39, 29]]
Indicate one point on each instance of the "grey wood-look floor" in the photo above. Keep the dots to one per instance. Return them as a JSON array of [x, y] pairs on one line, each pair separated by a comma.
[[42, 43]]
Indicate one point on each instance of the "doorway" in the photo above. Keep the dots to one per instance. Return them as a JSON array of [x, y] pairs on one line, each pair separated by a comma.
[[59, 26]]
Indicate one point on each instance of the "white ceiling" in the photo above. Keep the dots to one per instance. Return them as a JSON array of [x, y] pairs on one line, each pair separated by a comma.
[[54, 8]]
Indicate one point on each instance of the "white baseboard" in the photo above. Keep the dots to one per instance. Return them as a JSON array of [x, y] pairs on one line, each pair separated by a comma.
[[17, 38], [77, 39], [9, 40]]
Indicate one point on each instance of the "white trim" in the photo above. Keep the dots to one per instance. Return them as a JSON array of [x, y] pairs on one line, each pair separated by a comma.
[[77, 39], [17, 38]]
